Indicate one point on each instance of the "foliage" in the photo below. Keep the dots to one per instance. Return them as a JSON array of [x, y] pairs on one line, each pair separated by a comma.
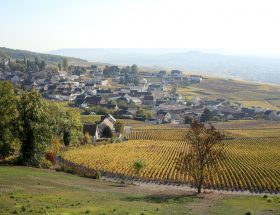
[[67, 123], [206, 115], [119, 126], [143, 113], [173, 90], [14, 54], [34, 124], [138, 165], [65, 64], [9, 117], [35, 127], [205, 150], [87, 139], [188, 120]]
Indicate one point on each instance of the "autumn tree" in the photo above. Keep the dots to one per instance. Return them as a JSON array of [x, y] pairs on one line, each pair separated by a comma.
[[206, 148]]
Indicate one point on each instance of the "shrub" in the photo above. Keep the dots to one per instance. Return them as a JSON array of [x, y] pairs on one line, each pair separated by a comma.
[[248, 213], [51, 157], [45, 164], [269, 199]]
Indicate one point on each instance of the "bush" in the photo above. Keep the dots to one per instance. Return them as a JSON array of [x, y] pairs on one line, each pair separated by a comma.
[[248, 213], [5, 150], [51, 157], [45, 164], [269, 199]]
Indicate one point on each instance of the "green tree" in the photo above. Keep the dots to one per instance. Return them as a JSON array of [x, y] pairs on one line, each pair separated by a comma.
[[67, 124], [137, 166], [134, 68], [173, 90], [36, 128], [206, 148], [188, 120], [119, 127], [42, 65], [9, 117], [65, 64], [206, 115]]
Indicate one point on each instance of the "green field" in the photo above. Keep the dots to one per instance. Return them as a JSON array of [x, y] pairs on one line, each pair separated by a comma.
[[34, 191]]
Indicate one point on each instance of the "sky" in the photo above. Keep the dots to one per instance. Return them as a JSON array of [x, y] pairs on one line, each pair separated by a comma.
[[236, 25]]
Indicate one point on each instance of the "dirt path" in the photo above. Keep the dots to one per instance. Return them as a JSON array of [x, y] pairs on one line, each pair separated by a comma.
[[178, 188]]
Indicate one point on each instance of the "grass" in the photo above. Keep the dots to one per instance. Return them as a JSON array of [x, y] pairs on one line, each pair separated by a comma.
[[236, 205], [90, 118], [34, 191]]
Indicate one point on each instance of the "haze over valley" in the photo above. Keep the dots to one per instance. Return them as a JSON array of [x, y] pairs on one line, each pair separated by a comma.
[[210, 62]]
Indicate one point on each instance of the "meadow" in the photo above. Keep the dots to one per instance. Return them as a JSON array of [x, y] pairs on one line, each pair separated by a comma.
[[26, 190]]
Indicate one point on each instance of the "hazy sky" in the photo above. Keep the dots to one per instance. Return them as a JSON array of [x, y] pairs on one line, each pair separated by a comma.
[[44, 25]]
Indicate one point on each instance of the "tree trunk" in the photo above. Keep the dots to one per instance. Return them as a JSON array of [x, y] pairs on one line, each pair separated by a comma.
[[198, 189]]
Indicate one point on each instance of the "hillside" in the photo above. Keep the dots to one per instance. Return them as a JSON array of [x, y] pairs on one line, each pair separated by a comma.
[[251, 68], [34, 191], [48, 58], [249, 94], [240, 170]]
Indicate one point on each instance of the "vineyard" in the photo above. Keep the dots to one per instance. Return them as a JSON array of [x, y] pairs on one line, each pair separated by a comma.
[[251, 163]]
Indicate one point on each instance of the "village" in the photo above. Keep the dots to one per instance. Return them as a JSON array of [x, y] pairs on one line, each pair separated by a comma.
[[129, 93]]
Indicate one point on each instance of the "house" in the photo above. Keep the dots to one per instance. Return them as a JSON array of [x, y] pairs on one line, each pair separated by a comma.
[[195, 78], [95, 130], [104, 92], [89, 87], [270, 115], [111, 71], [164, 116], [148, 100], [27, 84], [102, 82], [94, 100], [110, 106], [108, 121], [125, 97], [136, 101], [126, 114], [152, 121], [91, 129], [176, 73], [156, 87]]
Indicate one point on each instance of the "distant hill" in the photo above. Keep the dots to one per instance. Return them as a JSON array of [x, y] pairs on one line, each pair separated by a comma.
[[250, 68], [48, 58]]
